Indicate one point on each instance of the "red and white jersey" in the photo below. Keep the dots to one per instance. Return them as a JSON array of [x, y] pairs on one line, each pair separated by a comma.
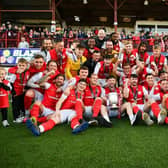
[[123, 77], [92, 92], [32, 70], [129, 58], [74, 81], [52, 77], [46, 55], [60, 58], [4, 101], [142, 75], [151, 41], [103, 71], [136, 94], [160, 62], [111, 90], [88, 52], [118, 47], [51, 96], [158, 94], [19, 80], [33, 82], [70, 101], [145, 57]]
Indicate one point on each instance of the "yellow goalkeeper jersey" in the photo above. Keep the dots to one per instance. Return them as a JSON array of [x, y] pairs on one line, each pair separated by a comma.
[[72, 67]]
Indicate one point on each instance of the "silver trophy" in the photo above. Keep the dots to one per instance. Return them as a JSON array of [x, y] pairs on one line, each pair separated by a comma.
[[113, 100]]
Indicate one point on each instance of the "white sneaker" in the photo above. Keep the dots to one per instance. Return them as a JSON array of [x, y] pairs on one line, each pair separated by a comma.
[[161, 117], [5, 123], [147, 119], [18, 120]]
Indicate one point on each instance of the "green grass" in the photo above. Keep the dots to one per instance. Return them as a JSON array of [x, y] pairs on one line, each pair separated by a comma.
[[122, 146]]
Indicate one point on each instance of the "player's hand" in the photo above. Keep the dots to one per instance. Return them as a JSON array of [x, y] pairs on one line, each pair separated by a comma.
[[59, 90], [20, 71], [52, 72]]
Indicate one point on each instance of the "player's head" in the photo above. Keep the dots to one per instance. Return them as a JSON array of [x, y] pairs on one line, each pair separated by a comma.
[[141, 63], [156, 50], [52, 65], [109, 44], [164, 85], [22, 64], [38, 61], [115, 37], [79, 50], [111, 81], [91, 42], [94, 79], [149, 79], [74, 44], [126, 68], [47, 44], [2, 73], [134, 80], [163, 75], [128, 47], [59, 80], [107, 60], [142, 47], [59, 45], [81, 86], [83, 72], [96, 55]]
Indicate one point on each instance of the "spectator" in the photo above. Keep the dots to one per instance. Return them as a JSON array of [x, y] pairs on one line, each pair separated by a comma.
[[101, 37], [23, 43]]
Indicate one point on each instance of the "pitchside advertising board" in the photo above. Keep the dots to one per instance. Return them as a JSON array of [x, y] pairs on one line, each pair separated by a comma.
[[10, 56]]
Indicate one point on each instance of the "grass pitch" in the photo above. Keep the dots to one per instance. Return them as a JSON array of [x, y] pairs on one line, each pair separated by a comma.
[[122, 146]]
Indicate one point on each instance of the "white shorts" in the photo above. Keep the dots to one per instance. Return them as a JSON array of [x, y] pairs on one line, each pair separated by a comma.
[[67, 115], [88, 111], [47, 111], [38, 96], [141, 106]]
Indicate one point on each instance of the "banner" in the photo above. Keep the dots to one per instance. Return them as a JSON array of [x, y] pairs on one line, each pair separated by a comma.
[[10, 56]]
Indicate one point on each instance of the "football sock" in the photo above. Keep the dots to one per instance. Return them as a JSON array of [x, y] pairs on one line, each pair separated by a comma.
[[74, 122], [47, 125], [34, 112], [135, 109], [96, 107], [27, 102], [42, 119], [155, 108], [79, 109], [166, 120]]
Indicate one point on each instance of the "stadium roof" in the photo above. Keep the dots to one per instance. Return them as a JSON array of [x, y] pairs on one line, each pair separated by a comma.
[[95, 12]]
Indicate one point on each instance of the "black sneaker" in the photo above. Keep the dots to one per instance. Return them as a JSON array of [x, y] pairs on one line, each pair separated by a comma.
[[104, 123], [136, 117]]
